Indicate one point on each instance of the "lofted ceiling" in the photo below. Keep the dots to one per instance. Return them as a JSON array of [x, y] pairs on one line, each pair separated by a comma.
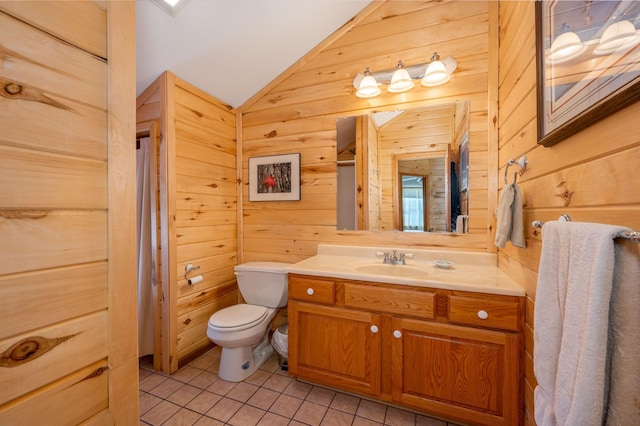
[[231, 49]]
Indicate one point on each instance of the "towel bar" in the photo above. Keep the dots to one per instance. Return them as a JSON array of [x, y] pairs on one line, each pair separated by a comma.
[[633, 235]]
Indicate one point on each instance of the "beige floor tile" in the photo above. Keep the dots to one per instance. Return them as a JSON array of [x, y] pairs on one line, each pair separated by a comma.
[[203, 362], [186, 374], [310, 413], [263, 398], [203, 402], [246, 416], [271, 419], [142, 373], [160, 413], [298, 389], [183, 417], [321, 396], [361, 421], [344, 402], [166, 388], [224, 409], [184, 395], [430, 421], [242, 392], [151, 382], [337, 418], [396, 417], [208, 421], [215, 367], [221, 387], [147, 402], [259, 377], [204, 379], [372, 410], [286, 405], [277, 383], [271, 365]]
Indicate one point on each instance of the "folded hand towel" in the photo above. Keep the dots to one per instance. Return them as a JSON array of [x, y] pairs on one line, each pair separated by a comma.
[[510, 222], [571, 316]]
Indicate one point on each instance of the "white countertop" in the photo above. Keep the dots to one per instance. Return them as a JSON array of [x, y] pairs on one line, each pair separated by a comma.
[[470, 272]]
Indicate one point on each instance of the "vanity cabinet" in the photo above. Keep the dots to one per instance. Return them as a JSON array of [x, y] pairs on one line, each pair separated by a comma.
[[450, 354]]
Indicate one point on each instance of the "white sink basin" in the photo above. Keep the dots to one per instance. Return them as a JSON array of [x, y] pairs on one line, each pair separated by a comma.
[[392, 270]]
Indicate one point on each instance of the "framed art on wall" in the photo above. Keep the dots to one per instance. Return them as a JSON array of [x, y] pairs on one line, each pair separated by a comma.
[[274, 178], [588, 63]]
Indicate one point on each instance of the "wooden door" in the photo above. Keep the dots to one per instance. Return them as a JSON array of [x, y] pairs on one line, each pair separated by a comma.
[[335, 346], [68, 350], [461, 373]]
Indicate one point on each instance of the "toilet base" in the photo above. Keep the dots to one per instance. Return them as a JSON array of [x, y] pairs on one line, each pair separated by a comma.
[[236, 364]]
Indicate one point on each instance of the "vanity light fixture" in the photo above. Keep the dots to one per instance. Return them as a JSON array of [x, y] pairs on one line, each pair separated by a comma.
[[401, 79], [436, 73], [566, 46], [620, 35], [172, 7], [368, 87]]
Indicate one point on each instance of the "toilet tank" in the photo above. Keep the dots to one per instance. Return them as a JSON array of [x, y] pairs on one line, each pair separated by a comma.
[[263, 283]]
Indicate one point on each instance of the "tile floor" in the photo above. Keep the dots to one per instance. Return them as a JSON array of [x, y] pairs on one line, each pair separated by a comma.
[[195, 395]]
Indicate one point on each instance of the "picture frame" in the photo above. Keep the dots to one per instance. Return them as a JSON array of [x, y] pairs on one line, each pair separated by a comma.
[[274, 178], [595, 75]]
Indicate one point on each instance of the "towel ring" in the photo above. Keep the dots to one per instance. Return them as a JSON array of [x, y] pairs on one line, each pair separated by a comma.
[[522, 163]]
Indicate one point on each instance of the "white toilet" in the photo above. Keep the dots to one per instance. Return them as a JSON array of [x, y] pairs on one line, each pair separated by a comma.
[[243, 330]]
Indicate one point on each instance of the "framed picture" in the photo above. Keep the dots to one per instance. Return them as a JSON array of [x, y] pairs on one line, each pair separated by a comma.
[[274, 178], [588, 63]]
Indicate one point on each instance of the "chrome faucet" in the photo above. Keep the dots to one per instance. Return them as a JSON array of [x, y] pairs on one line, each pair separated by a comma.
[[395, 259]]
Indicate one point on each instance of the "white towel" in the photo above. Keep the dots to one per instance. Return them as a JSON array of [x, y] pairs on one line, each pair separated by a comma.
[[624, 338], [510, 223], [571, 316]]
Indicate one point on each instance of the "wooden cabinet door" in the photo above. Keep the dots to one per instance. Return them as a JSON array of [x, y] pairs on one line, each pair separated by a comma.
[[334, 346], [471, 375]]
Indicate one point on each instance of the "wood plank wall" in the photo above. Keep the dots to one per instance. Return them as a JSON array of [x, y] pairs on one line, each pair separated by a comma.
[[198, 209], [591, 175], [298, 113], [67, 177]]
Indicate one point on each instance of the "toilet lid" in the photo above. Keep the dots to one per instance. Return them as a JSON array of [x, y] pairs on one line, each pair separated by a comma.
[[238, 317]]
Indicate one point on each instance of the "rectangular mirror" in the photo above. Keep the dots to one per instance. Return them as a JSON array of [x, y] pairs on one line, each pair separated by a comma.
[[404, 170]]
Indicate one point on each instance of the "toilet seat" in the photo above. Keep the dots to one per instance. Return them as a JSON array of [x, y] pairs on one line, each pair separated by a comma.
[[238, 317]]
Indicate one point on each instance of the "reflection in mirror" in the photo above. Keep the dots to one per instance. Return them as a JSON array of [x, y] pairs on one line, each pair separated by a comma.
[[421, 192], [420, 147]]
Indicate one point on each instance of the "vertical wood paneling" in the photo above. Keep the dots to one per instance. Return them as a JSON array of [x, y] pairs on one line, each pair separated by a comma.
[[123, 307], [297, 113], [589, 176]]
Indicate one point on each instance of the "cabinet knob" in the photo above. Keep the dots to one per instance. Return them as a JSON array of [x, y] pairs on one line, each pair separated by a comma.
[[397, 334], [374, 329], [310, 291], [483, 314]]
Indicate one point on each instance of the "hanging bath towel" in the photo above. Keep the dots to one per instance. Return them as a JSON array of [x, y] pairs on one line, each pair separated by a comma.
[[571, 320]]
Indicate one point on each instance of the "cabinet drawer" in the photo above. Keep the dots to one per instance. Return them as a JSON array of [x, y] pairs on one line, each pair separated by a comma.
[[312, 290], [415, 303], [484, 312]]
